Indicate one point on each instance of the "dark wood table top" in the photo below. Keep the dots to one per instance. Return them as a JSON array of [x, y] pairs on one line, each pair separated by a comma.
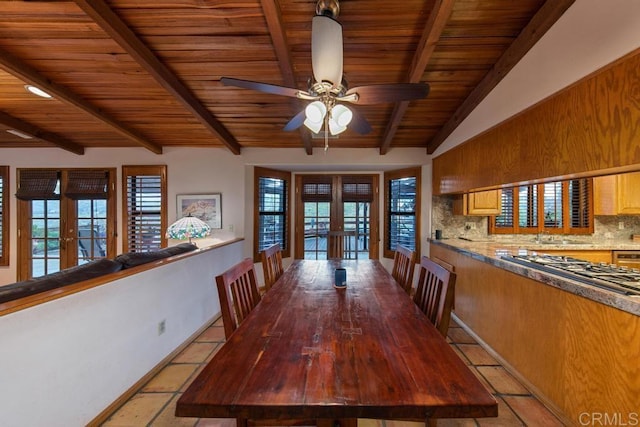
[[312, 351]]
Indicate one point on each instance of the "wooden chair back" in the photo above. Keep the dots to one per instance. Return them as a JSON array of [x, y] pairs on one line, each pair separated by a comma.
[[434, 295], [403, 264], [238, 293], [342, 244], [272, 265]]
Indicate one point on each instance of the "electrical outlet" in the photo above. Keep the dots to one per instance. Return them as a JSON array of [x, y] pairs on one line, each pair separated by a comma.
[[230, 227], [621, 225], [469, 225], [162, 327]]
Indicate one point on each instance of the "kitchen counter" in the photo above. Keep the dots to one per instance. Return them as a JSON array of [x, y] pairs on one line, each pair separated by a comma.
[[491, 252]]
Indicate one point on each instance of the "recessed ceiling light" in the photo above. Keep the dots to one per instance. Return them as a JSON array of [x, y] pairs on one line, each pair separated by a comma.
[[37, 91], [20, 134]]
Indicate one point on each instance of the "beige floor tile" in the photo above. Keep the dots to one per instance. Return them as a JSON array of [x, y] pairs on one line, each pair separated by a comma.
[[477, 355], [461, 355], [532, 412], [365, 422], [482, 379], [394, 423], [456, 422], [460, 336], [139, 410], [196, 352], [212, 334], [218, 322], [501, 380], [167, 417], [505, 418], [216, 422], [171, 378]]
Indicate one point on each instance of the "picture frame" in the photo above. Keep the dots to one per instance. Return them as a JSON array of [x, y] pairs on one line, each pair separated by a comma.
[[207, 207]]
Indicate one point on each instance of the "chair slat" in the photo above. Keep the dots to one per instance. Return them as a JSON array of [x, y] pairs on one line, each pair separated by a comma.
[[238, 293], [403, 266], [435, 292], [272, 265]]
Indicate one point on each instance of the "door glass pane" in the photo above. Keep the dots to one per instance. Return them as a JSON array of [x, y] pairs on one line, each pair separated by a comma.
[[357, 220], [45, 237], [91, 224], [316, 228]]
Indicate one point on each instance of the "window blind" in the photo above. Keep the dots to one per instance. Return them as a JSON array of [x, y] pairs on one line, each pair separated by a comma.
[[579, 203], [144, 197], [357, 189], [316, 188], [272, 207], [505, 219], [37, 184], [87, 184]]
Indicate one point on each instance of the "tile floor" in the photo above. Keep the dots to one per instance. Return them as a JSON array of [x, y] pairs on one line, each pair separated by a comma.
[[154, 404]]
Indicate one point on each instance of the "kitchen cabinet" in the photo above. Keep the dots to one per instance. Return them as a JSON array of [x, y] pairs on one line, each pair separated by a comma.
[[567, 347], [481, 203], [617, 194]]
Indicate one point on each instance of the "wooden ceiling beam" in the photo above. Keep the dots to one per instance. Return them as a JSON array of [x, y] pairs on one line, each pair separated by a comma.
[[273, 16], [29, 75], [36, 132], [544, 19], [111, 23], [433, 28]]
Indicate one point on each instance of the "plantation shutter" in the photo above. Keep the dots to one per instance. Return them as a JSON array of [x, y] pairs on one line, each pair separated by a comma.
[[580, 205], [145, 208]]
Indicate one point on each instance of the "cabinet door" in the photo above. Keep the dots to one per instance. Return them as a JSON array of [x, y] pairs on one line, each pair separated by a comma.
[[484, 203], [628, 193]]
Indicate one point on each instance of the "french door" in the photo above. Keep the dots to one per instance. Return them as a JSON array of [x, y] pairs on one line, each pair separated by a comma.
[[336, 217], [66, 218]]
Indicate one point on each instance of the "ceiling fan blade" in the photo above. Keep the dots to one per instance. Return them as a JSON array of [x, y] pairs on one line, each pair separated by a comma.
[[377, 94], [295, 122], [359, 123], [261, 87], [326, 50]]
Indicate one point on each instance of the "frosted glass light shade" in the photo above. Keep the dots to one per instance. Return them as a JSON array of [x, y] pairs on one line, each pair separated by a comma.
[[341, 114], [335, 128], [313, 126], [315, 112]]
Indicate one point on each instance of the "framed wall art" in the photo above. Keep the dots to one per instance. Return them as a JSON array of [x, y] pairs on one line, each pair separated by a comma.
[[207, 207]]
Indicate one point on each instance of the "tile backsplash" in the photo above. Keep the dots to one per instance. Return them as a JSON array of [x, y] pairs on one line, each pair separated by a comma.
[[475, 227]]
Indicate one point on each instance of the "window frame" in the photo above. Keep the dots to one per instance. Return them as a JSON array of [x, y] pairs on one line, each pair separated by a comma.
[[260, 172], [4, 216], [144, 170], [389, 176], [566, 227]]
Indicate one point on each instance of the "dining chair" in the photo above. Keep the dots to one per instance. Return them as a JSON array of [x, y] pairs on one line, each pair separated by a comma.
[[403, 265], [271, 265], [434, 295], [238, 293]]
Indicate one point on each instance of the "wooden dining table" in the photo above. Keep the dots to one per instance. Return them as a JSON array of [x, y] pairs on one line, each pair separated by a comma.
[[312, 351]]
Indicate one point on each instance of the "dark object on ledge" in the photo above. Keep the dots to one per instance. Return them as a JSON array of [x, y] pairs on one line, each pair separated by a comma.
[[90, 270], [132, 259]]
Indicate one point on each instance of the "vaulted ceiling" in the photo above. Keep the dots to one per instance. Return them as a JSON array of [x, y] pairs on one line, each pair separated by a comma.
[[146, 73]]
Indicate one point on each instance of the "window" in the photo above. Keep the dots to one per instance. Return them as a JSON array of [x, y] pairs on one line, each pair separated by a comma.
[[271, 221], [402, 210], [4, 215], [562, 207], [144, 208]]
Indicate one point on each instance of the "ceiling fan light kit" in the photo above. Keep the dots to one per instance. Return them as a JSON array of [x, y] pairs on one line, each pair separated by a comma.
[[329, 89]]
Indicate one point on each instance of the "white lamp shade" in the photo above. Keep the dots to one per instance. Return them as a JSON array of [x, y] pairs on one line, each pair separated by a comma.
[[335, 128], [326, 50], [341, 114], [313, 126], [315, 112], [188, 227]]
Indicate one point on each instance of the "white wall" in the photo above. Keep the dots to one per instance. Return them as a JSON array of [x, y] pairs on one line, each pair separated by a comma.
[[65, 361], [209, 170]]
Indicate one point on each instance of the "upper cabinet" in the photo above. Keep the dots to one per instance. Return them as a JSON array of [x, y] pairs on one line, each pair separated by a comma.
[[617, 194], [482, 203]]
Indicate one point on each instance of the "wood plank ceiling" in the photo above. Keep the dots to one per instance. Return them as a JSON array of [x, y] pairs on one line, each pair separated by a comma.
[[146, 73]]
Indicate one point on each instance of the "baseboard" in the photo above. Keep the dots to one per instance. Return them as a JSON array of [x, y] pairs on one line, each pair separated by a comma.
[[548, 403], [109, 410]]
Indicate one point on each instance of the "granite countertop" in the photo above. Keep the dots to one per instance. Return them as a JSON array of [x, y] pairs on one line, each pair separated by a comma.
[[491, 252]]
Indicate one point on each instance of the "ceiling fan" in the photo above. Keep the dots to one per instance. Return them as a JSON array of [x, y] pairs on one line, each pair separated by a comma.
[[328, 90]]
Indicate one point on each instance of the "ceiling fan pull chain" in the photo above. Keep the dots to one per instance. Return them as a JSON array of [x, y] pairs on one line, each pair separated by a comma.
[[326, 132]]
